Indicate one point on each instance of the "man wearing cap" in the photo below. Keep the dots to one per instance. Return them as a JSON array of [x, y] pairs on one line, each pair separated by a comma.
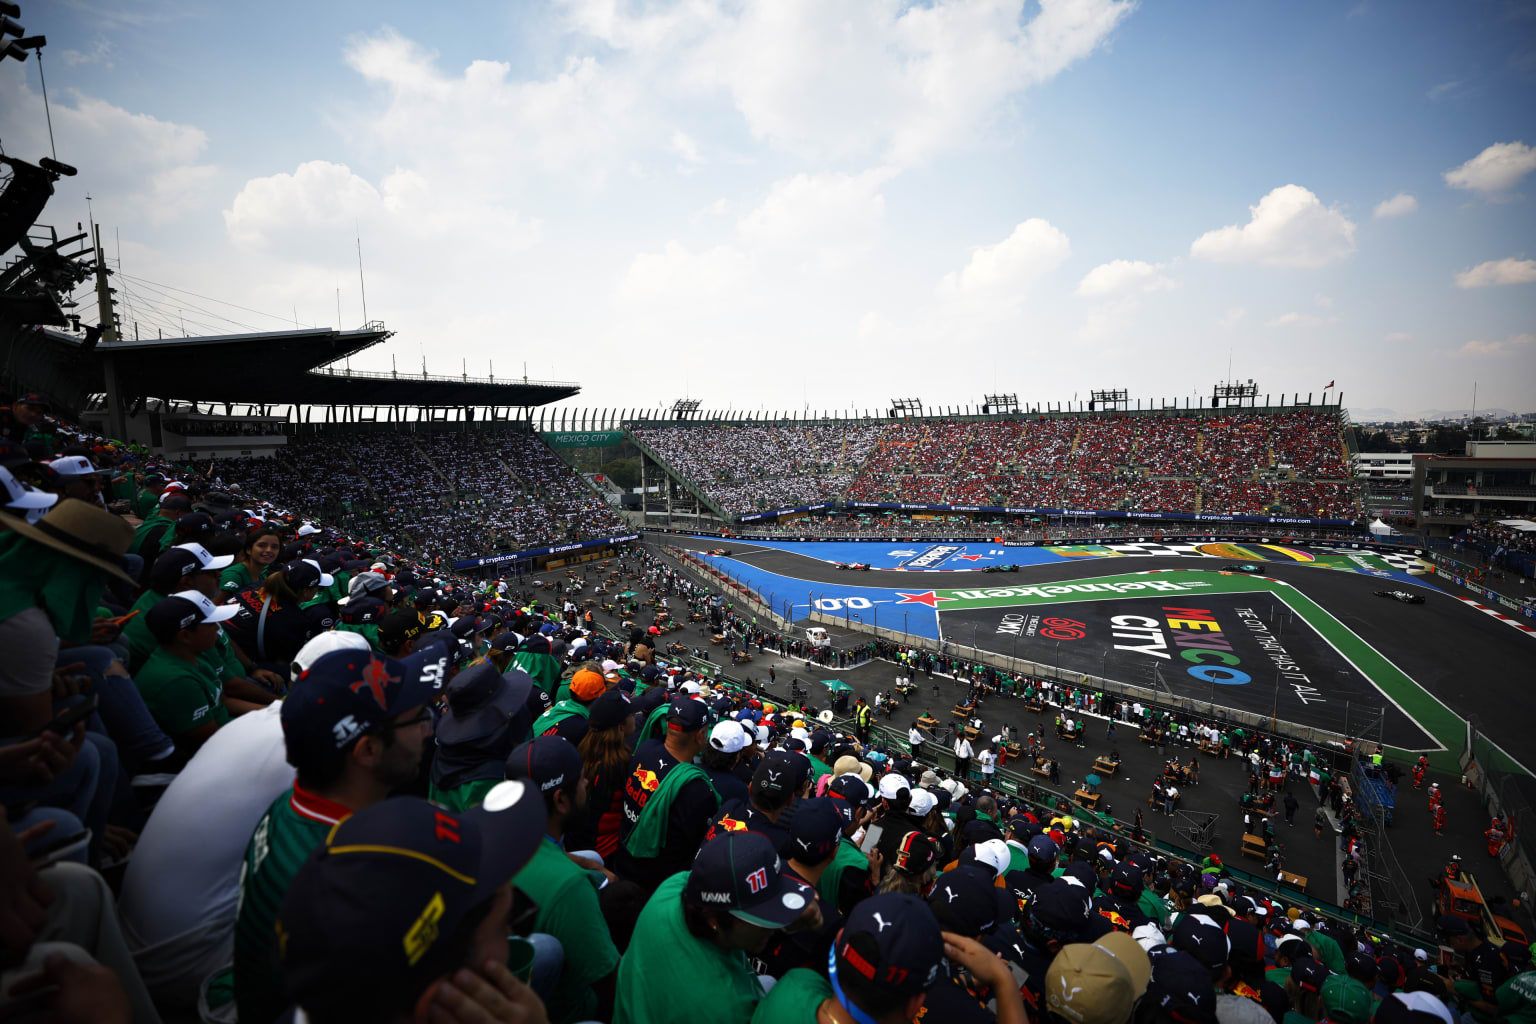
[[722, 756], [668, 800], [1099, 983], [815, 829], [437, 948], [24, 422], [565, 894], [78, 478], [1485, 968], [568, 718], [159, 523], [689, 955], [178, 568], [354, 726], [180, 688], [887, 953], [780, 778], [1345, 1001]]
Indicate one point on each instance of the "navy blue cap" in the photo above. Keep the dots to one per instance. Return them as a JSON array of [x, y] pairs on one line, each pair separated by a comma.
[[300, 574], [1127, 880], [437, 867], [851, 790], [965, 901], [892, 940], [1202, 938], [609, 709], [1062, 906], [739, 872], [1248, 945], [1043, 851], [780, 771], [362, 611], [1181, 987], [1362, 965], [347, 694], [548, 762], [505, 641], [687, 715], [1309, 973], [1450, 924], [815, 827]]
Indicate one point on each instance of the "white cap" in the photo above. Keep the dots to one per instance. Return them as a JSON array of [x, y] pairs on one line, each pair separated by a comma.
[[609, 665], [19, 496], [728, 736], [308, 530], [1300, 925], [802, 735], [326, 579], [690, 687], [994, 853], [1424, 1002], [326, 643], [763, 736], [73, 465], [892, 784], [210, 612], [1420, 955], [922, 802], [208, 562]]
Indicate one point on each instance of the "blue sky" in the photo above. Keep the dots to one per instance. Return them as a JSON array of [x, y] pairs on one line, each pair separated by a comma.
[[833, 203]]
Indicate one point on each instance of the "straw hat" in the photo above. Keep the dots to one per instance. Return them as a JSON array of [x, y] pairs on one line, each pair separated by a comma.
[[82, 531]]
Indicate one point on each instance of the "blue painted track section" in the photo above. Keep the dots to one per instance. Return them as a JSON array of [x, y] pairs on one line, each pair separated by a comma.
[[918, 556]]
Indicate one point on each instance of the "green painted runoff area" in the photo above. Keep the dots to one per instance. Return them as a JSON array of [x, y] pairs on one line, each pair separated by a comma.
[[1448, 728]]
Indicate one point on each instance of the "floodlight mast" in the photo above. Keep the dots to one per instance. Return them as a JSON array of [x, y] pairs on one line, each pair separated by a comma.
[[999, 403], [684, 408], [907, 407], [1245, 394], [1109, 398]]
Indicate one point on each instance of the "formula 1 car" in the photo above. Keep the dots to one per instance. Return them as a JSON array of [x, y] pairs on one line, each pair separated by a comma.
[[1405, 596], [1245, 567], [999, 568], [852, 565], [720, 551]]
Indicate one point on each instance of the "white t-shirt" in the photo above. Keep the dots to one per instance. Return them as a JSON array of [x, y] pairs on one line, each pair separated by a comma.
[[177, 906], [988, 761], [914, 737], [962, 747]]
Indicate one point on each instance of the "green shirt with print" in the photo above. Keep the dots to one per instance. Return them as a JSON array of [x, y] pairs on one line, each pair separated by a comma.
[[568, 910], [795, 999], [236, 578], [668, 973], [182, 695], [68, 590]]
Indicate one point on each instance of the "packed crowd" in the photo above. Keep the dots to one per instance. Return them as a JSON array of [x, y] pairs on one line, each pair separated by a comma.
[[441, 496], [1234, 462], [750, 468], [329, 784]]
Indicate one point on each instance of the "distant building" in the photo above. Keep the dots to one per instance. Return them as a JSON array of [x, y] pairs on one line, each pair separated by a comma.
[[1493, 480]]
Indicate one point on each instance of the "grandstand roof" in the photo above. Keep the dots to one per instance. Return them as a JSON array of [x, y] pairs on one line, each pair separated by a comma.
[[268, 368]]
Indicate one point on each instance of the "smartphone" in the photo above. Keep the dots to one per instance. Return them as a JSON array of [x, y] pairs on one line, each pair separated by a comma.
[[61, 848], [871, 837], [70, 716]]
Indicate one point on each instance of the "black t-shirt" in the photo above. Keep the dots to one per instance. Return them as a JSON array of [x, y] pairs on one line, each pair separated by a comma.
[[728, 785], [288, 627], [687, 818], [740, 816], [785, 952], [947, 1001], [1123, 916]]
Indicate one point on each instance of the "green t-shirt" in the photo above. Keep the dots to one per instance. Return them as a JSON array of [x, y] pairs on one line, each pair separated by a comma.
[[146, 503], [35, 575], [141, 642], [221, 658], [568, 910], [153, 521], [1292, 1017], [818, 767], [236, 577], [668, 975], [462, 798], [293, 826], [794, 999], [182, 695], [1516, 999]]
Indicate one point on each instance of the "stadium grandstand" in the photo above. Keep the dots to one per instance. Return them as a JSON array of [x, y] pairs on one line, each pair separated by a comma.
[[335, 696]]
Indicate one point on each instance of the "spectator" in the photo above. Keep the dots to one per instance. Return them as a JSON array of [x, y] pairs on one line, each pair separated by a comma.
[[354, 729], [667, 800], [487, 716], [438, 946]]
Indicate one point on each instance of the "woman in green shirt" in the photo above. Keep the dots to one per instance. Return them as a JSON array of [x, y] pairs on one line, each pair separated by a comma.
[[256, 557]]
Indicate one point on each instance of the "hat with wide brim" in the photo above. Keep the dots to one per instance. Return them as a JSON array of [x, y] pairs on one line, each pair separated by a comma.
[[82, 531]]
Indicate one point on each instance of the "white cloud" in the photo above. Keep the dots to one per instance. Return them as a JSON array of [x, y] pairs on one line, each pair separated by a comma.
[[1397, 206], [1324, 301], [1436, 92], [897, 81], [1290, 227], [1508, 347], [1299, 320], [1397, 336], [678, 273], [825, 218], [100, 52], [1232, 318], [1495, 170], [1505, 271], [1119, 277], [1034, 249], [137, 165], [684, 146]]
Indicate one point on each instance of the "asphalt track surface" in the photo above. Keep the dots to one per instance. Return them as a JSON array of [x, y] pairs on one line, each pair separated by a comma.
[[1222, 783], [1480, 668]]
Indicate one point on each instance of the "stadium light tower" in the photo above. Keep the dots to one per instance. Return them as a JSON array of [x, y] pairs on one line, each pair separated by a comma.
[[1113, 398], [685, 407], [999, 403], [906, 407], [1235, 394]]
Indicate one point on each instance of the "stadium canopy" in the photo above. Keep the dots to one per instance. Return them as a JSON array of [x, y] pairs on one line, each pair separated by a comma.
[[1523, 525], [268, 368]]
